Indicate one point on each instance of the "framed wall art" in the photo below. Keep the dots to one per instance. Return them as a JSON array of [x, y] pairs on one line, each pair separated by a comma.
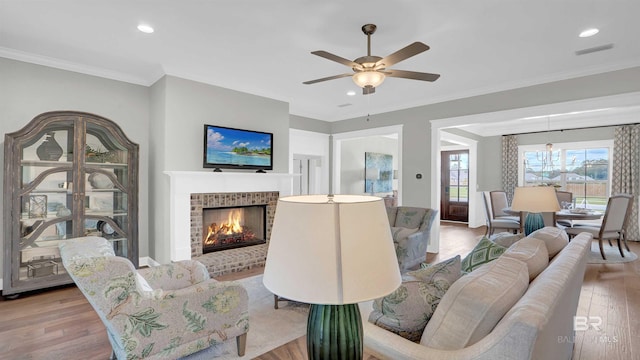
[[378, 172]]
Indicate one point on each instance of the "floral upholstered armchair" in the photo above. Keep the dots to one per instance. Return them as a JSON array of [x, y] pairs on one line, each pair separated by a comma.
[[160, 312], [410, 229]]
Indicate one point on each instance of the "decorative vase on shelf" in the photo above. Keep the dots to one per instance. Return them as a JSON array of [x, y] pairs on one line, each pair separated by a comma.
[[100, 181], [49, 149]]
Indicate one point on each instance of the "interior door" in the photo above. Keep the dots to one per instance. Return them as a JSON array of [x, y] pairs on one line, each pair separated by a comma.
[[454, 197]]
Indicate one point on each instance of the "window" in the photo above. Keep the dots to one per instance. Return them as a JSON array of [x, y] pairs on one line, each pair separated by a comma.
[[582, 168], [458, 176]]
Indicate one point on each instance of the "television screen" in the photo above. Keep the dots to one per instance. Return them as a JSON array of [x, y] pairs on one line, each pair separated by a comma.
[[237, 149]]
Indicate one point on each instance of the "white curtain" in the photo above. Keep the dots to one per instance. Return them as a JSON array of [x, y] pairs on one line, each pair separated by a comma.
[[509, 165], [626, 172]]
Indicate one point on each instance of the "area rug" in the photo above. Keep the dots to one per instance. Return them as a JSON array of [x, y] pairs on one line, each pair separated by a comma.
[[611, 252], [268, 328]]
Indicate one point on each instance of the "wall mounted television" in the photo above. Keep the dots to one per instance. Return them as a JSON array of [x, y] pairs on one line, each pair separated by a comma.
[[229, 148]]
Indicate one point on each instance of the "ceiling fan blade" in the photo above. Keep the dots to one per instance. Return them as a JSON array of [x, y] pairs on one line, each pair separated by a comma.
[[336, 58], [368, 90], [404, 53], [326, 78], [414, 75]]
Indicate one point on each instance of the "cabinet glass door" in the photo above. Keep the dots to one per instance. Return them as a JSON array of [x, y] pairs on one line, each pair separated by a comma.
[[106, 183], [46, 201]]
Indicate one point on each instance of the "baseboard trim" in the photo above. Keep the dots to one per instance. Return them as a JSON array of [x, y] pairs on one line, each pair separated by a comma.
[[147, 261]]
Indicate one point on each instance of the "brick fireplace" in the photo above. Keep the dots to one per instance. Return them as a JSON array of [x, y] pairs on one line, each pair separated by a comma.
[[192, 191], [239, 258]]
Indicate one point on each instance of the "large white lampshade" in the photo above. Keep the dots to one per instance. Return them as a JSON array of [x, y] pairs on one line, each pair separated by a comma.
[[328, 249], [535, 199]]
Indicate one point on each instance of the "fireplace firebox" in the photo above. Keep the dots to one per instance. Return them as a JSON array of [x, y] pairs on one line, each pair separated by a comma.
[[233, 227]]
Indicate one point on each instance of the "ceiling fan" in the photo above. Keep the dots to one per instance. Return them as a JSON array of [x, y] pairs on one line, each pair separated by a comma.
[[370, 71]]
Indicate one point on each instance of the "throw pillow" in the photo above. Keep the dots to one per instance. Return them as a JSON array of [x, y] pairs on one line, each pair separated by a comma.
[[485, 251], [506, 239], [407, 310], [555, 239], [532, 252], [475, 304], [449, 269]]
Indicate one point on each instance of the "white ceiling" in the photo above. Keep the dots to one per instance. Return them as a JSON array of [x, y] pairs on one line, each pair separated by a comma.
[[263, 47]]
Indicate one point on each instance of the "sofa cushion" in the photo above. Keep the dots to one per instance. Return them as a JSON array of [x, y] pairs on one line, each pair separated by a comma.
[[555, 239], [449, 269], [506, 239], [485, 251], [410, 217], [532, 252], [475, 303], [407, 310]]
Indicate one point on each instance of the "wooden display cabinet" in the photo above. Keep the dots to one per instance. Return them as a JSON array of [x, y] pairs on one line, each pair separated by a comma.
[[66, 174]]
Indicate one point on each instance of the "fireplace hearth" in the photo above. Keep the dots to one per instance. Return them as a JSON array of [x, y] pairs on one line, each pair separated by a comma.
[[233, 227]]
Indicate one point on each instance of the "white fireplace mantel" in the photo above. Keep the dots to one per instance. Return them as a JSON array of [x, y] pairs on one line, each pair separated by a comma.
[[184, 183]]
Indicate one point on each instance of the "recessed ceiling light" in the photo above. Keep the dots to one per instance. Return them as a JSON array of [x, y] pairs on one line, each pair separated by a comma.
[[145, 28], [589, 32], [351, 93]]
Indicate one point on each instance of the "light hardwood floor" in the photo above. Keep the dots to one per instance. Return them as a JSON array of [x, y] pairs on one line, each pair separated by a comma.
[[60, 324]]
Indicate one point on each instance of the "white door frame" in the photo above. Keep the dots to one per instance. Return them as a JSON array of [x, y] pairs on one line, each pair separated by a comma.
[[380, 131]]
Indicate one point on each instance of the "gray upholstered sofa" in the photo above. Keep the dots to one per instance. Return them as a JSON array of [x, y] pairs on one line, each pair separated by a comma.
[[410, 229], [539, 324]]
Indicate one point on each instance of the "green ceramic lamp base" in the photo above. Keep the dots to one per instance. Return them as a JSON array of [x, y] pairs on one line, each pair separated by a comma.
[[334, 332], [533, 222]]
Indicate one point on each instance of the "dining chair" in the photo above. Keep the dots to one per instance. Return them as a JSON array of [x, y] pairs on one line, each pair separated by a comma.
[[567, 198], [506, 223], [613, 225], [498, 199]]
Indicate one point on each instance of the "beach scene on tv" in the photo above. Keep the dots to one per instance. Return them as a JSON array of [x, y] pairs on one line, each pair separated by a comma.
[[238, 147]]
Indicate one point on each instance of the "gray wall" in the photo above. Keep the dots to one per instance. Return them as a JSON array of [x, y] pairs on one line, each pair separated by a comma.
[[27, 90], [416, 149], [489, 169], [181, 108], [352, 160], [600, 133], [308, 124]]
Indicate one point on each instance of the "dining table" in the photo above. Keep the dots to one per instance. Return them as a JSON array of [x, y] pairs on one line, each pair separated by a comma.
[[565, 214]]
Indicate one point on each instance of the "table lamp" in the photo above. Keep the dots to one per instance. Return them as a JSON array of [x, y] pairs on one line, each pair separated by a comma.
[[332, 251], [535, 200]]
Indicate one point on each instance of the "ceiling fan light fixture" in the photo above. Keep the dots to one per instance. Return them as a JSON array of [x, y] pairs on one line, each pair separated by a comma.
[[368, 78]]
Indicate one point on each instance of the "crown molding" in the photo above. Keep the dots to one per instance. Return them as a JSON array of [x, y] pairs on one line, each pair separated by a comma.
[[76, 67]]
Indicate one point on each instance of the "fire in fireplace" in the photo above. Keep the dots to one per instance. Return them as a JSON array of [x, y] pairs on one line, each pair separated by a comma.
[[234, 227]]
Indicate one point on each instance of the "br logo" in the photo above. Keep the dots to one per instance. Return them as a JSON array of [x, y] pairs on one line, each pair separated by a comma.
[[583, 323]]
